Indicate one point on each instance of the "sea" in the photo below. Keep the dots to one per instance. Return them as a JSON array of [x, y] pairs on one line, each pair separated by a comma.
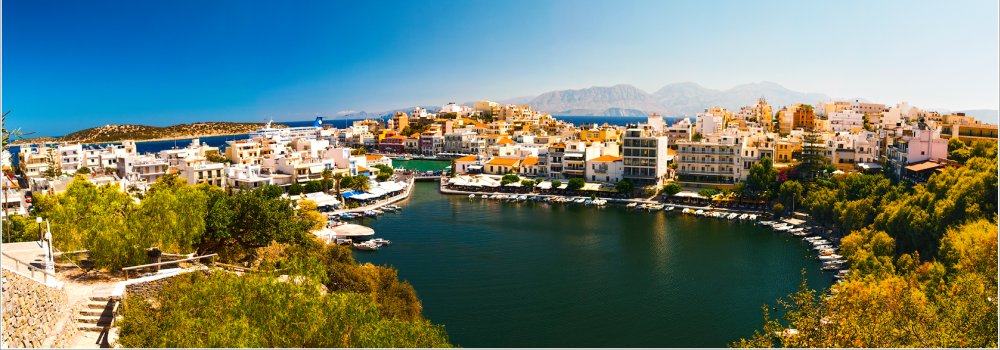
[[220, 141]]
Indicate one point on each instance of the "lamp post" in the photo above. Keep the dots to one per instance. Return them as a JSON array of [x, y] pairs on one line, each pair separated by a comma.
[[38, 220], [49, 263]]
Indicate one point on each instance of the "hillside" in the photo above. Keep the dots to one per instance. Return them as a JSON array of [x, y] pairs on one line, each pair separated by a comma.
[[112, 133]]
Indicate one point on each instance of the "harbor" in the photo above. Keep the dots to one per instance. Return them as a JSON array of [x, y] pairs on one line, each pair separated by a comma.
[[506, 259]]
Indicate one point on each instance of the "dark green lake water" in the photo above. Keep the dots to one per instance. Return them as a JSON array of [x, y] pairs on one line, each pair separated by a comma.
[[539, 275]]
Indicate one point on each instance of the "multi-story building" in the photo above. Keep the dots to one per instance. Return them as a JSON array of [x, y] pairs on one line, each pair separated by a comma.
[[915, 145], [645, 155], [607, 168], [196, 170], [846, 121], [246, 176], [141, 169], [713, 160]]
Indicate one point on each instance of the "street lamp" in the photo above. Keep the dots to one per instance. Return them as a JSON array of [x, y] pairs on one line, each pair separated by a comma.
[[49, 264], [38, 220]]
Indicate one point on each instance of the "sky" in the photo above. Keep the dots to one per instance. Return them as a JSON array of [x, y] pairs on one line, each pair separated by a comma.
[[69, 65]]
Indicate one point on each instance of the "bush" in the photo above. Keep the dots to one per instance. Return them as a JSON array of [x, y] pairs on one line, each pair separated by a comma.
[[576, 183], [707, 193], [625, 186], [556, 184], [671, 189], [261, 311], [509, 178], [778, 208]]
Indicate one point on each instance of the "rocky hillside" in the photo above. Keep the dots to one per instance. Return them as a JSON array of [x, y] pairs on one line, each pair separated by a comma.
[[112, 133]]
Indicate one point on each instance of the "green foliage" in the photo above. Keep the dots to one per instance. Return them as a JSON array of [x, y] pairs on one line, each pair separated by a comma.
[[313, 186], [959, 152], [708, 192], [556, 184], [261, 311], [83, 170], [217, 157], [762, 179], [790, 193], [947, 303], [575, 183], [527, 183], [671, 189], [18, 228], [778, 208], [918, 220], [384, 172], [359, 182], [814, 158], [509, 179], [296, 189], [625, 186]]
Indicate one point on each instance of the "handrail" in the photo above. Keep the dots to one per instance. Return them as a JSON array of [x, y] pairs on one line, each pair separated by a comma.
[[136, 267], [31, 268]]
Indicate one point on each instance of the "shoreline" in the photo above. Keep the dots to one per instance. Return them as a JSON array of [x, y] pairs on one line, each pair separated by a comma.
[[173, 138]]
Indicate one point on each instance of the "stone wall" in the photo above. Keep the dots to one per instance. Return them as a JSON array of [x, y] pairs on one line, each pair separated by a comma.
[[35, 315]]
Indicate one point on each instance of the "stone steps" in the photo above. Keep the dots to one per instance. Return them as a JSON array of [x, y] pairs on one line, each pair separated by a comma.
[[96, 315]]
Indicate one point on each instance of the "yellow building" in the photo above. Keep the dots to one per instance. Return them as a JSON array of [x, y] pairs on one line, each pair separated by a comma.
[[500, 165], [600, 135]]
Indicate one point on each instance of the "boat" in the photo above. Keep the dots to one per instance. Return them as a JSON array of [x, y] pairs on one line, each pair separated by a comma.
[[471, 196], [753, 216], [670, 208], [831, 267], [522, 197], [579, 200], [699, 212], [829, 257], [367, 245], [685, 211], [344, 241], [743, 216], [600, 202], [381, 241], [813, 238], [632, 205], [732, 216], [484, 196], [588, 202]]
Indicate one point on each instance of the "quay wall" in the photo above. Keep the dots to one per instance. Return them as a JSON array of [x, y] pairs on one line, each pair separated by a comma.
[[35, 315]]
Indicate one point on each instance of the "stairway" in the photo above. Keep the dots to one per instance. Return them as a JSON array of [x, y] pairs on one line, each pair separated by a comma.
[[95, 318]]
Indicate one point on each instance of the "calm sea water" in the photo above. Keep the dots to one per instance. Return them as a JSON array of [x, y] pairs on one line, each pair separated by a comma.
[[539, 275]]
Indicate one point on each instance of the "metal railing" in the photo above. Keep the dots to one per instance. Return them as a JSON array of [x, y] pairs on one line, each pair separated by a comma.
[[137, 267], [33, 271]]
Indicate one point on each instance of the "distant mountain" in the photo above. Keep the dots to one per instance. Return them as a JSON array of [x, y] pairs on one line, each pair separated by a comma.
[[691, 98], [610, 112], [673, 99], [597, 99]]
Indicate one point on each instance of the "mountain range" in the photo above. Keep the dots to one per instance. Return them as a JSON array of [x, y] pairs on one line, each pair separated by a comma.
[[675, 99]]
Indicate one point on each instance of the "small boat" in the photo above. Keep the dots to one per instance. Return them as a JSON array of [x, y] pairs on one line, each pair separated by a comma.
[[381, 241], [699, 212], [632, 205], [471, 196], [829, 257], [732, 216], [365, 246], [671, 208], [522, 198], [579, 200], [484, 196], [743, 217], [685, 211], [753, 216], [831, 267], [813, 238]]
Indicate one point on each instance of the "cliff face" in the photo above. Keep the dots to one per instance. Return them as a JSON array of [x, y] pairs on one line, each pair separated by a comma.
[[34, 315]]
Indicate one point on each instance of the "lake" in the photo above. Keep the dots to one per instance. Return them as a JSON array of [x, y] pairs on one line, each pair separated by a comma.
[[539, 275]]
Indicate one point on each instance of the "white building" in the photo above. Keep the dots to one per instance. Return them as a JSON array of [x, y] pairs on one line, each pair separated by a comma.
[[608, 168]]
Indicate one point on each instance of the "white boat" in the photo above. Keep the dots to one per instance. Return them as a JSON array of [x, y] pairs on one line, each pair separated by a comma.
[[813, 238], [522, 198], [699, 212], [732, 216], [632, 205], [669, 208], [484, 196], [820, 242], [686, 211], [743, 216], [381, 241], [365, 246], [753, 216], [471, 196], [830, 257]]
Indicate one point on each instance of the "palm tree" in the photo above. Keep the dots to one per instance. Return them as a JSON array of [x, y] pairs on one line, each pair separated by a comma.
[[327, 175], [336, 184]]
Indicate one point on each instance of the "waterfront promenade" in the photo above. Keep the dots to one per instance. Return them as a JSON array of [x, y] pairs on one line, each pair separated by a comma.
[[380, 203]]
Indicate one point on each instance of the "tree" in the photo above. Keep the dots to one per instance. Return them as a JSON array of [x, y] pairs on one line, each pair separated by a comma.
[[296, 189], [671, 189], [327, 178], [337, 180], [509, 179], [556, 184], [526, 183], [83, 170], [308, 214], [313, 186], [814, 157], [761, 179], [790, 193], [576, 183], [708, 193], [384, 172], [625, 186]]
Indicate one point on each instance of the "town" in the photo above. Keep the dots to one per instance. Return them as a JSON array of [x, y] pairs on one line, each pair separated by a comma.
[[715, 150]]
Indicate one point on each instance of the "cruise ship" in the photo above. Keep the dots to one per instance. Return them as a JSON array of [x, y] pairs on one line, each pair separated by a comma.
[[268, 131]]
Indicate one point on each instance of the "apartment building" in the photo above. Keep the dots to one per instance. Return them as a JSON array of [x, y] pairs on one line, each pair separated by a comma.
[[714, 160], [645, 155]]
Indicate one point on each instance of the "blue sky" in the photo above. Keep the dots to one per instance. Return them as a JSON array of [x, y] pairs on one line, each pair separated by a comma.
[[69, 65]]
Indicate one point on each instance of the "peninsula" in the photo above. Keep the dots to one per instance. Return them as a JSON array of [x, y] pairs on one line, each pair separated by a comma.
[[116, 133]]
